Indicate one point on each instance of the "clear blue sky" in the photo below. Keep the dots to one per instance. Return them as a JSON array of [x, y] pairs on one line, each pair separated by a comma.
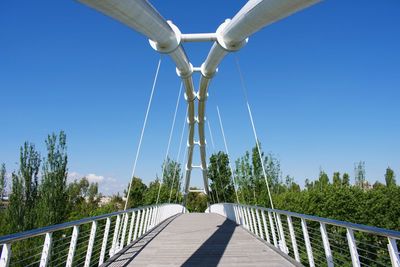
[[324, 85]]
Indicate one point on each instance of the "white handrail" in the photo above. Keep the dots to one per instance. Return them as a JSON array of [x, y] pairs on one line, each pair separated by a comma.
[[98, 237], [313, 236]]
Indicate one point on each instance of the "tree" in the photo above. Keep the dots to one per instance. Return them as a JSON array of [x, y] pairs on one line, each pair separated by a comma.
[[390, 177], [3, 181], [220, 175], [346, 179], [171, 181], [359, 174], [336, 179], [21, 213], [137, 193], [53, 188]]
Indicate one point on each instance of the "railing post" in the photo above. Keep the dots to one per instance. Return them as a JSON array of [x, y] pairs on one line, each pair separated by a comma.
[[115, 237], [105, 239], [253, 217], [135, 235], [265, 226], [148, 226], [293, 238], [126, 220], [271, 223], [259, 224], [5, 255], [141, 223], [308, 243], [327, 247], [131, 228], [90, 244], [353, 247], [72, 246], [282, 242], [46, 250], [250, 220], [245, 222], [146, 218], [393, 252]]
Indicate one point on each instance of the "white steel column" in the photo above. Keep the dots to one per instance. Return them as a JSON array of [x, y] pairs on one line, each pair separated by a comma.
[[46, 250], [5, 255], [72, 246], [104, 243], [90, 244]]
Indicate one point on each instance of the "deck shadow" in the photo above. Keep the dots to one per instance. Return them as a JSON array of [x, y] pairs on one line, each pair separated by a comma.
[[212, 250]]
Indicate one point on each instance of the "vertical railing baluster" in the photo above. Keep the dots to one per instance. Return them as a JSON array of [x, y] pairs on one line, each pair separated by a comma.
[[72, 246], [308, 243], [265, 226], [393, 252], [260, 230], [149, 219], [5, 255], [131, 228], [141, 223], [293, 238], [135, 235], [115, 237], [352, 247], [249, 219], [271, 223], [245, 223], [282, 241], [126, 220], [253, 217], [46, 250], [104, 243], [146, 218], [325, 242], [90, 244]]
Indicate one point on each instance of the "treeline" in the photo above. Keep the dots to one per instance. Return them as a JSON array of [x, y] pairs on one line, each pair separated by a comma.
[[336, 197]]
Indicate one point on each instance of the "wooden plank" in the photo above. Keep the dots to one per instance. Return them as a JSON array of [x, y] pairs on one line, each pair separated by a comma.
[[200, 239]]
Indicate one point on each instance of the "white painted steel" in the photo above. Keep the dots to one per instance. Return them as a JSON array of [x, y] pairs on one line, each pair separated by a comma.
[[327, 247], [393, 252], [166, 211], [260, 230], [104, 243], [135, 235], [253, 217], [227, 210], [198, 37], [282, 241], [114, 243], [90, 244], [353, 248], [124, 228], [72, 246], [265, 226], [308, 243], [5, 255], [46, 250], [130, 234], [293, 239]]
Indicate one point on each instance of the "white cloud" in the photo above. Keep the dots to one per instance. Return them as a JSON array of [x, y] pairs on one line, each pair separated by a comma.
[[107, 185], [93, 178]]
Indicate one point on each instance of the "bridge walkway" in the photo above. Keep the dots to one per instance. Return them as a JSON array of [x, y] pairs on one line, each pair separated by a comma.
[[199, 239]]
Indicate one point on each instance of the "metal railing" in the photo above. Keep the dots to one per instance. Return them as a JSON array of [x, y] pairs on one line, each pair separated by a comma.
[[86, 242], [316, 241]]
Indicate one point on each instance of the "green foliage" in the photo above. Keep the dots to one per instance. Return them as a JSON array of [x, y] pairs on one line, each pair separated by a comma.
[[3, 181], [220, 177], [137, 193], [196, 202], [390, 178], [53, 197]]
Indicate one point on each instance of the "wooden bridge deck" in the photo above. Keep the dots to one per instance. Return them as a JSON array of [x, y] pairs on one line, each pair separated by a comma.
[[198, 239]]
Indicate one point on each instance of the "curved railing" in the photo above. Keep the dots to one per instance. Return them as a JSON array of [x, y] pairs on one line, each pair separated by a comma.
[[316, 241], [86, 242]]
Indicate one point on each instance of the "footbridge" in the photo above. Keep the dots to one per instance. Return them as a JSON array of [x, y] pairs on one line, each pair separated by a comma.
[[226, 234]]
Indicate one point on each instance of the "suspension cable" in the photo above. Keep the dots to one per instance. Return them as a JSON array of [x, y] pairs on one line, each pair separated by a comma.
[[169, 142], [219, 175], [178, 156], [244, 89], [180, 178], [142, 133], [227, 152]]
